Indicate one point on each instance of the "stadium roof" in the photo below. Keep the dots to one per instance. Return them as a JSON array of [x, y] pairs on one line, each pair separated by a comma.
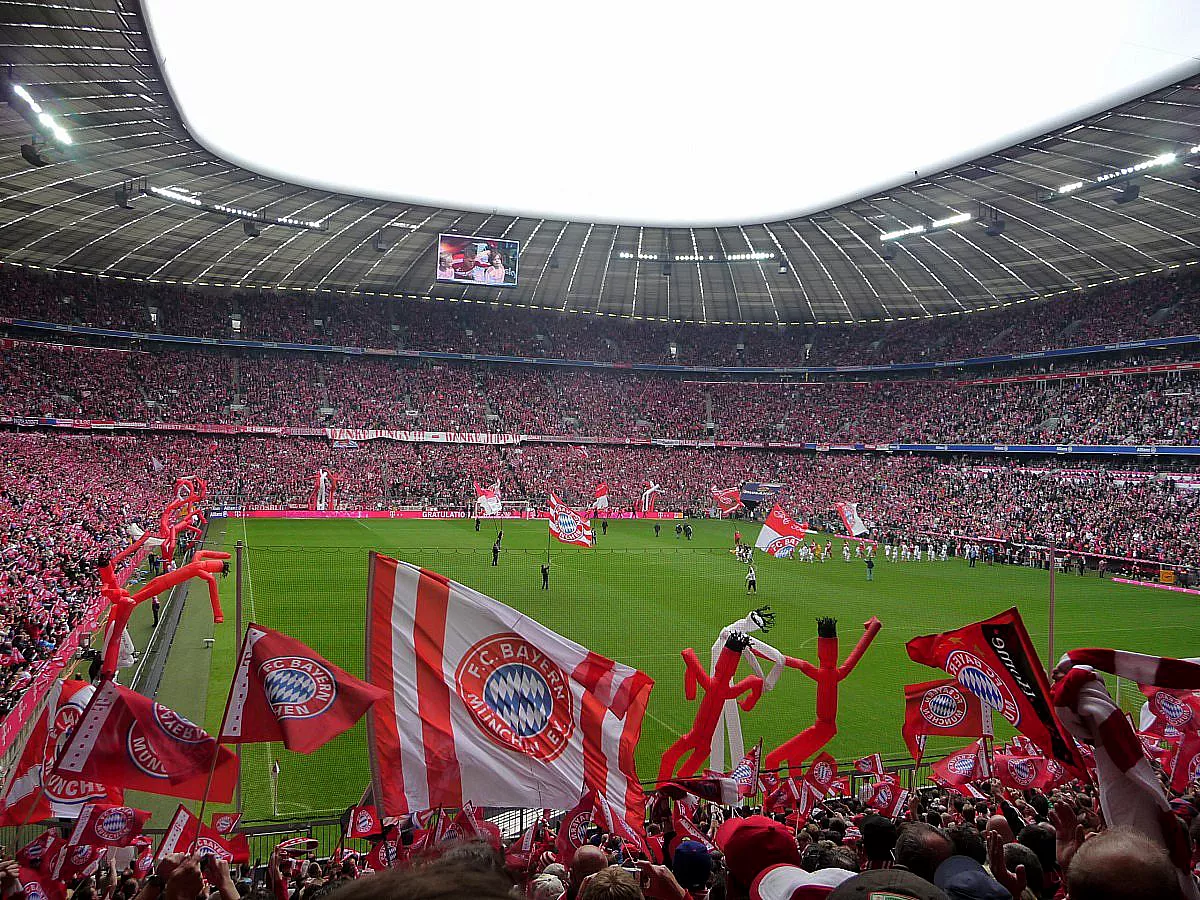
[[92, 69]]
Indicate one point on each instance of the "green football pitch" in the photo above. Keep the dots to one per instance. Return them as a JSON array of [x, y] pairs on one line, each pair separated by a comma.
[[639, 599]]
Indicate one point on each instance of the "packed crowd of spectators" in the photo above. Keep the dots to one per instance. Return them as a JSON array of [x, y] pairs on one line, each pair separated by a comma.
[[995, 844], [1138, 308], [38, 379], [55, 521]]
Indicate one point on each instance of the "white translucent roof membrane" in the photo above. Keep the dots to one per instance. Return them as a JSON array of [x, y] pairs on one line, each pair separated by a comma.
[[655, 113]]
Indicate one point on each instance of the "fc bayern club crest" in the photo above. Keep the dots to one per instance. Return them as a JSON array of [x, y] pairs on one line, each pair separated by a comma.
[[1022, 772], [33, 890], [364, 823], [115, 824], [517, 695], [568, 526], [963, 764], [981, 680], [141, 750], [780, 544], [822, 773], [883, 795], [577, 827], [944, 707], [1171, 709], [297, 687]]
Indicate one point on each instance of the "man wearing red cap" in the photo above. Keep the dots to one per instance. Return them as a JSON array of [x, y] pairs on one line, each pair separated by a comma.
[[752, 845]]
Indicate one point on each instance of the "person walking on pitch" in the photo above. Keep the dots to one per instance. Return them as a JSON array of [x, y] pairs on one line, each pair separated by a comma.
[[870, 569], [751, 580], [545, 576], [496, 553]]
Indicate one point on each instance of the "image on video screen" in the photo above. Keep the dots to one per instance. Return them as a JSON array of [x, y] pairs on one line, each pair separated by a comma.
[[477, 260]]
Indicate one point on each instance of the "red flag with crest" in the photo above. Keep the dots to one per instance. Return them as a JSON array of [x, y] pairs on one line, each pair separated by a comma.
[[105, 825], [285, 691], [995, 660], [869, 765], [34, 791], [128, 740], [226, 822], [187, 834], [573, 827], [940, 708], [363, 822]]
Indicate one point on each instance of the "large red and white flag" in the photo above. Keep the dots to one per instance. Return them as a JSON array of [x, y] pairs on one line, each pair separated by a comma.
[[569, 526], [486, 705], [821, 774], [727, 500], [34, 791], [941, 708], [285, 691], [129, 741], [601, 501], [781, 534], [849, 513], [995, 660], [105, 825], [487, 499], [187, 834], [649, 498]]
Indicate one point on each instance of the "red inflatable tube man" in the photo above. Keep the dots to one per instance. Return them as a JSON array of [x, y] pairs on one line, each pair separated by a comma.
[[718, 688], [828, 675], [204, 564]]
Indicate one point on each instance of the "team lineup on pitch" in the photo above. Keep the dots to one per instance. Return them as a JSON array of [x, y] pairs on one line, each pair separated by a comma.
[[637, 598]]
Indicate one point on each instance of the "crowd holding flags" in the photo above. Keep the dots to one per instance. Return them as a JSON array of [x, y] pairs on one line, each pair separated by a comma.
[[471, 702]]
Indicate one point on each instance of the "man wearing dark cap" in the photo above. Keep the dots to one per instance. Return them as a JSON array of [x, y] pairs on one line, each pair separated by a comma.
[[891, 884]]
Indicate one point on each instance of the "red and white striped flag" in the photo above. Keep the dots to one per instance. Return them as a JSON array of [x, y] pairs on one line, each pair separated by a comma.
[[601, 501], [187, 834], [569, 526], [484, 704], [850, 518], [780, 534], [745, 773]]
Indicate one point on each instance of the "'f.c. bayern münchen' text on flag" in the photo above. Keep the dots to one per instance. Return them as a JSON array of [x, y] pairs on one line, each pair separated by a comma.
[[486, 705]]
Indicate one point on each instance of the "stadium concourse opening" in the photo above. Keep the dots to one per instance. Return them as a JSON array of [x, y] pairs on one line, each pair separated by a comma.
[[599, 512]]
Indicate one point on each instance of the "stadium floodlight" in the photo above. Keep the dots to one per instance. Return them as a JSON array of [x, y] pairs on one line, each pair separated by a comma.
[[40, 119], [903, 232], [176, 195], [1070, 188], [1163, 159], [643, 256], [938, 224]]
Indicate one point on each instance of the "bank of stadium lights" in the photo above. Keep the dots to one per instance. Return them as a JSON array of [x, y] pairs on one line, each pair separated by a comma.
[[252, 217], [1128, 173], [930, 227], [46, 121], [698, 257]]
